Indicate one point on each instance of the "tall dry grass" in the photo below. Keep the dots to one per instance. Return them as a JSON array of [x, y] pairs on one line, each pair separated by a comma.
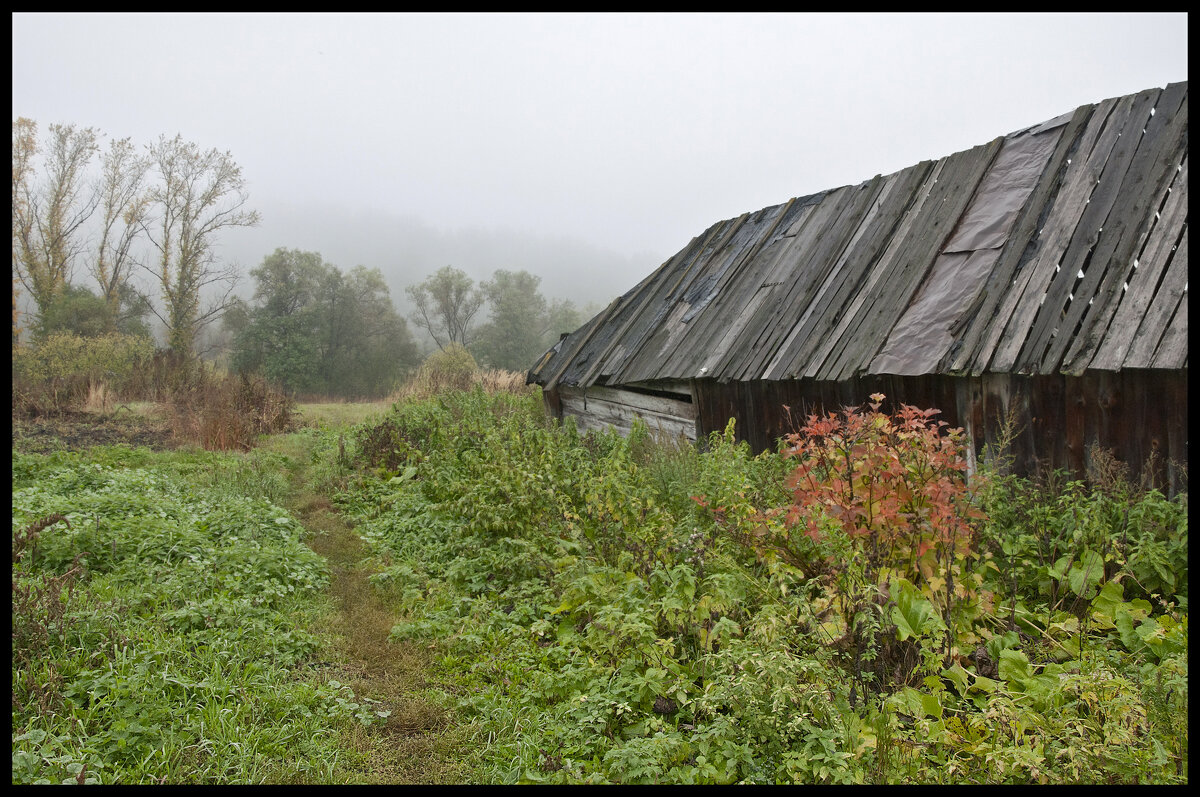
[[230, 412], [497, 380], [100, 398], [492, 380], [453, 368]]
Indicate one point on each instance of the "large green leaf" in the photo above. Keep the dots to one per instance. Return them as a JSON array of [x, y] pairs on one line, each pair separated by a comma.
[[1106, 605], [1086, 573], [913, 614], [1014, 667]]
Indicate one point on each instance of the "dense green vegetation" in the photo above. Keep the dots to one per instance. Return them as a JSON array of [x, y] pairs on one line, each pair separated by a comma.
[[597, 609], [313, 329], [79, 312], [64, 370], [521, 323], [610, 627], [162, 611]]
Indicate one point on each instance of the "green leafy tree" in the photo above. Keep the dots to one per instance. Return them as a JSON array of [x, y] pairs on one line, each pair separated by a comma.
[[522, 323], [76, 310], [79, 311], [513, 335], [368, 346], [315, 329], [282, 331], [562, 317], [446, 303]]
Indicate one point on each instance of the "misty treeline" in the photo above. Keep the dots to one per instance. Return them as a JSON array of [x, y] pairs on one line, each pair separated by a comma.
[[316, 330], [313, 329], [521, 323], [107, 239]]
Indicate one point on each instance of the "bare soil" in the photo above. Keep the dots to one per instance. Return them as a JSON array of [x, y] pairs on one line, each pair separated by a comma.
[[78, 430]]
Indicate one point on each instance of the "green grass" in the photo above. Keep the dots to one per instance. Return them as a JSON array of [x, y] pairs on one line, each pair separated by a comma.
[[455, 589], [333, 415], [163, 629], [200, 638]]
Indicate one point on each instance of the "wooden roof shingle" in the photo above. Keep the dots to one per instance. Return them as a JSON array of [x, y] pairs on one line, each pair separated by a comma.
[[1061, 247]]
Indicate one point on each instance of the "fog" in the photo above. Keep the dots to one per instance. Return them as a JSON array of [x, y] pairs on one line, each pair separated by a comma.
[[405, 248], [584, 148]]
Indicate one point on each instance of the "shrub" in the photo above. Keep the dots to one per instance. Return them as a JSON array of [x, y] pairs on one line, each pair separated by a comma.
[[894, 490], [230, 412], [61, 372], [399, 439], [451, 368], [881, 516], [897, 486]]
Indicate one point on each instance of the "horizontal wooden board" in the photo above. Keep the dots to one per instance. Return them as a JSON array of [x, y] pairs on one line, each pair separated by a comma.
[[1058, 420], [598, 407]]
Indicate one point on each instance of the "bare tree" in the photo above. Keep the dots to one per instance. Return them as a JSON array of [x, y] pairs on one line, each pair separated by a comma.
[[446, 302], [16, 326], [49, 214], [199, 195], [124, 206], [24, 141]]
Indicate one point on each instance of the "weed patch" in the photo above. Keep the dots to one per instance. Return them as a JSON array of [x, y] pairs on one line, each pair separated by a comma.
[[848, 610], [160, 631], [229, 413]]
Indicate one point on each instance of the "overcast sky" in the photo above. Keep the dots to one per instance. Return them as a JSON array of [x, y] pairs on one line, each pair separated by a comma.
[[586, 147]]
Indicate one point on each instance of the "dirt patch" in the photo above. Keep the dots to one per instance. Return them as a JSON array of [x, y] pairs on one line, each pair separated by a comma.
[[78, 430], [417, 742]]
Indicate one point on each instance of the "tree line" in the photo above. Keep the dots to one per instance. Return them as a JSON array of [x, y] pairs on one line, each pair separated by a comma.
[[521, 323], [128, 218], [317, 330]]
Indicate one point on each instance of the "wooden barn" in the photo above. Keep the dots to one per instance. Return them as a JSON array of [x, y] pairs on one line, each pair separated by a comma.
[[1041, 276]]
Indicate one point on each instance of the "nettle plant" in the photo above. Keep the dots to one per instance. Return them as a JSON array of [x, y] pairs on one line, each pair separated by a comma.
[[881, 514]]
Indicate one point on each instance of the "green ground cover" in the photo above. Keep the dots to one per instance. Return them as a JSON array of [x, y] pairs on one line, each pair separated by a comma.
[[625, 611], [478, 594], [162, 607]]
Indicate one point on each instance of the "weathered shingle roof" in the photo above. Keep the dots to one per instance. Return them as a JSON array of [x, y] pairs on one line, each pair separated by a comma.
[[1060, 247]]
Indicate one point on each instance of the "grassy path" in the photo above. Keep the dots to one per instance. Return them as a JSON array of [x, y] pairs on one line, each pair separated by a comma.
[[418, 742]]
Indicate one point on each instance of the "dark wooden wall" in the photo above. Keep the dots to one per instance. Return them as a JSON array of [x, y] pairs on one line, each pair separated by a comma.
[[1140, 416]]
